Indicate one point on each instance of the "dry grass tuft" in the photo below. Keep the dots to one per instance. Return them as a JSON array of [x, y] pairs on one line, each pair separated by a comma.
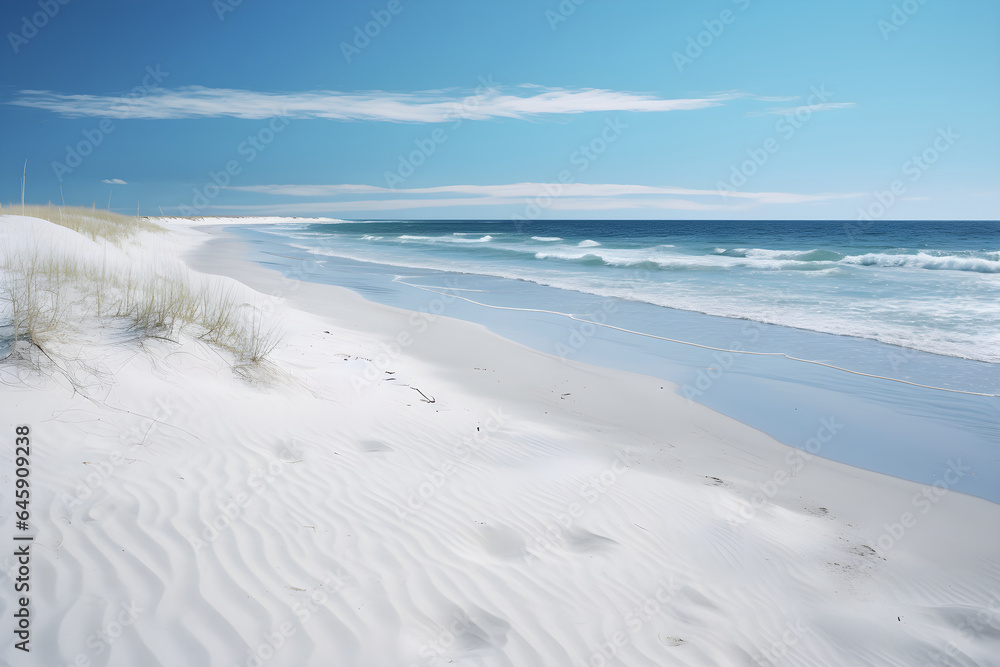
[[45, 292], [91, 222]]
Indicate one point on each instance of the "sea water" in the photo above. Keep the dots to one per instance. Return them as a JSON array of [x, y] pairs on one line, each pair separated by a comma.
[[891, 328]]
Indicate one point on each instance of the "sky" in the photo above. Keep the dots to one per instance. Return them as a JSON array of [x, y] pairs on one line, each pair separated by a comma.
[[521, 109]]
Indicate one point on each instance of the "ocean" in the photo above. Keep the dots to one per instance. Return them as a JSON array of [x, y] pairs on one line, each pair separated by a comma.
[[891, 329], [930, 286]]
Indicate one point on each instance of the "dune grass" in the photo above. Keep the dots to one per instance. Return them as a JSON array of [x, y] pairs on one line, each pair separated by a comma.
[[94, 223], [48, 293], [35, 307]]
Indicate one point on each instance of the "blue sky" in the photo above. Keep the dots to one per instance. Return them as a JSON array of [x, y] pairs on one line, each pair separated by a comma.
[[722, 109]]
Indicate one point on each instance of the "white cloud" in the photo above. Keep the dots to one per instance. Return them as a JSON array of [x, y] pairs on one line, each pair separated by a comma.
[[114, 181], [525, 101], [555, 197], [559, 204], [805, 109], [475, 194]]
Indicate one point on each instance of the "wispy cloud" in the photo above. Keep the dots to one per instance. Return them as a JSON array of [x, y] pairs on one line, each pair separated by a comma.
[[639, 195], [804, 109], [557, 197], [483, 204], [559, 204], [114, 181], [524, 102]]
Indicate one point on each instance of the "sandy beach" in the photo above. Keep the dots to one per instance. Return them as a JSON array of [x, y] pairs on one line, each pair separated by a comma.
[[500, 334], [401, 488]]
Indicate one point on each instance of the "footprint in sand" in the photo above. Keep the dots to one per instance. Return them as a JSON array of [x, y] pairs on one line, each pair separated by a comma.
[[374, 446]]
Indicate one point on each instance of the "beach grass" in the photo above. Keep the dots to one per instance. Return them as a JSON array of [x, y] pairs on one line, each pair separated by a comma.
[[94, 223], [119, 276]]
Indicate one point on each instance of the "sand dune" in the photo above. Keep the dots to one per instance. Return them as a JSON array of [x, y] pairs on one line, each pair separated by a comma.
[[458, 499]]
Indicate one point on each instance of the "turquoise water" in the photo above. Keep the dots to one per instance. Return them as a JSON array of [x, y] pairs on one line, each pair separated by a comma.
[[654, 298], [929, 286]]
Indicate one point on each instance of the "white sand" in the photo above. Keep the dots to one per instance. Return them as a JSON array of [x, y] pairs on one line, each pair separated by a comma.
[[321, 511]]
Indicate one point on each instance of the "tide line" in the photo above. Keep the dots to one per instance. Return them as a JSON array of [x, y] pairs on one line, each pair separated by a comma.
[[704, 347]]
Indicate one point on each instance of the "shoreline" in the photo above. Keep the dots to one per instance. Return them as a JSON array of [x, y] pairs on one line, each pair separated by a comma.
[[786, 473], [562, 263], [781, 397], [399, 488]]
